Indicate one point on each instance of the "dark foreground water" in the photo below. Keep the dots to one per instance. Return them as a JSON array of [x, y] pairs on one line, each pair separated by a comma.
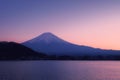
[[60, 70]]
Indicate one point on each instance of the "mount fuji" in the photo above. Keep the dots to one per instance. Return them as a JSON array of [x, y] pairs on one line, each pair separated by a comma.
[[52, 45]]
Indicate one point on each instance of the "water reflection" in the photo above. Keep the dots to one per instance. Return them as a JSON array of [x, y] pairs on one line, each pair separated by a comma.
[[60, 70]]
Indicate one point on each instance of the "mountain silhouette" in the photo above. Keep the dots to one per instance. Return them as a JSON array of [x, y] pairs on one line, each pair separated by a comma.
[[52, 45], [15, 51], [54, 48]]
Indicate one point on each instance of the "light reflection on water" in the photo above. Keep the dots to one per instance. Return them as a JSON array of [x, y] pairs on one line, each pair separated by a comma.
[[60, 70]]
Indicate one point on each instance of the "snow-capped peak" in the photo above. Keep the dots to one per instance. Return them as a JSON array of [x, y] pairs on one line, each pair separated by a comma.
[[47, 35], [47, 38]]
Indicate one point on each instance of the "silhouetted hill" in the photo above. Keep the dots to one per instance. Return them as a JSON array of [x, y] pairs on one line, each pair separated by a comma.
[[15, 51]]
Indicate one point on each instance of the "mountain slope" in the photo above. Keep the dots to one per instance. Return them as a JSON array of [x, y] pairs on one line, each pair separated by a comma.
[[53, 45], [12, 50]]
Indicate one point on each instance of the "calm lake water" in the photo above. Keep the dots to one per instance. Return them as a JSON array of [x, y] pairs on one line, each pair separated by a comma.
[[60, 70]]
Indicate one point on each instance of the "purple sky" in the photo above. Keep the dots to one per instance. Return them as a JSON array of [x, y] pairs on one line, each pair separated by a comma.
[[86, 22]]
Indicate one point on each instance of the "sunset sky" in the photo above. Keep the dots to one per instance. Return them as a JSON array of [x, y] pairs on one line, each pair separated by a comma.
[[93, 23]]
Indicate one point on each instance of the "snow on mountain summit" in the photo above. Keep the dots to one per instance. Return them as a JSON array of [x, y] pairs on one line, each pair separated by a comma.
[[46, 38]]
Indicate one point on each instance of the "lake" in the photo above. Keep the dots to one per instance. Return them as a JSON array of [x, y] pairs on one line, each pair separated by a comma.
[[59, 70]]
